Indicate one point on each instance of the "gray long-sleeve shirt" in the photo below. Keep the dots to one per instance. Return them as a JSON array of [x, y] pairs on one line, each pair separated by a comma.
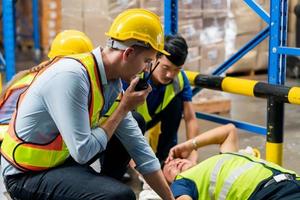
[[58, 102]]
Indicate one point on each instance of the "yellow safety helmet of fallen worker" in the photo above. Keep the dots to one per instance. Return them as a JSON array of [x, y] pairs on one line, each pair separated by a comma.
[[141, 25], [70, 42]]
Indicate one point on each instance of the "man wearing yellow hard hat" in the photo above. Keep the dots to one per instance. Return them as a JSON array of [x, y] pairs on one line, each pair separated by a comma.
[[74, 111], [65, 43]]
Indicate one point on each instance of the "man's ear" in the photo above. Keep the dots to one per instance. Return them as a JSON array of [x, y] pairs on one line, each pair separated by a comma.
[[128, 52]]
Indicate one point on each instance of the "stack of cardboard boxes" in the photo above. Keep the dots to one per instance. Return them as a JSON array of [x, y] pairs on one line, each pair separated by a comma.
[[50, 20], [93, 17], [292, 23], [248, 24]]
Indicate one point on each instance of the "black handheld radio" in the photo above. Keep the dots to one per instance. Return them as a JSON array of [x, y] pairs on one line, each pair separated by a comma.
[[143, 82]]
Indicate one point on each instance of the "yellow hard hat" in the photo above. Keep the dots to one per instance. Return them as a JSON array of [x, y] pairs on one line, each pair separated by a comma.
[[70, 42], [141, 25]]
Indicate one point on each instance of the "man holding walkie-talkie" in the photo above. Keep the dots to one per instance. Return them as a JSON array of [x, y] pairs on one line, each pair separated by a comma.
[[67, 118], [170, 98]]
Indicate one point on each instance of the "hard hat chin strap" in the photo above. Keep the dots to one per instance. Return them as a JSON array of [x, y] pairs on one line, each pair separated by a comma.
[[123, 45]]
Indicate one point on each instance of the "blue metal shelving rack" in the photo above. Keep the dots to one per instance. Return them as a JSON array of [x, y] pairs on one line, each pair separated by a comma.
[[9, 35], [276, 29]]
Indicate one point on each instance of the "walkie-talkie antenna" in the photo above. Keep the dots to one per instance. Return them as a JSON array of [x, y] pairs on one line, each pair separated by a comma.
[[151, 71]]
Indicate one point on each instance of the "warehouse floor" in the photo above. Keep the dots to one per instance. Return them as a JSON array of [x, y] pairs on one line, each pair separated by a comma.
[[249, 109]]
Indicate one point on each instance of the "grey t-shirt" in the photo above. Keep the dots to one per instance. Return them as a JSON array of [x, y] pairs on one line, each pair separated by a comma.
[[58, 102]]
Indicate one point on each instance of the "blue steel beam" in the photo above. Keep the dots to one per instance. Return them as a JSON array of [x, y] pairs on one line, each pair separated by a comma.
[[171, 17], [288, 51], [239, 54], [36, 29], [243, 51], [259, 10], [239, 124], [9, 37]]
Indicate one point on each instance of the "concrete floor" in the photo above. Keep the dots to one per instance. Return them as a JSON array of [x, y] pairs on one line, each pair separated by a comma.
[[249, 109]]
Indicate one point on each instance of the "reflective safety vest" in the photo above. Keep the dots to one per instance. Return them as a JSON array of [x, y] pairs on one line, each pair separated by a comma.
[[170, 92], [230, 176], [9, 100], [35, 157]]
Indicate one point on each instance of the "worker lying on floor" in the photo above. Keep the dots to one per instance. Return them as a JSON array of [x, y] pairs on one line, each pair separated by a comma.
[[65, 43], [58, 129], [229, 175], [170, 98]]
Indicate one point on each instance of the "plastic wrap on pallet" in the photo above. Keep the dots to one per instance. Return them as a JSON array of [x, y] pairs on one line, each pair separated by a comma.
[[212, 55], [215, 8], [188, 9]]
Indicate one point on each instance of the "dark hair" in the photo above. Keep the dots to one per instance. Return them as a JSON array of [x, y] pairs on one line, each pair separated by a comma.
[[177, 47]]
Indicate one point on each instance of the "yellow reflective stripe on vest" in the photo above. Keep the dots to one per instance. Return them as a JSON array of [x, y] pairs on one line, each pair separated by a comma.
[[214, 176], [235, 174], [3, 131], [171, 91], [22, 154], [26, 80]]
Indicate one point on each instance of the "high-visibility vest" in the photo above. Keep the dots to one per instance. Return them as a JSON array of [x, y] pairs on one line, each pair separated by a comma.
[[16, 88], [36, 157], [230, 176], [170, 92]]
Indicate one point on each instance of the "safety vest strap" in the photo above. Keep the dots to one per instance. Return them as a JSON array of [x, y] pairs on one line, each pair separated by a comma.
[[3, 131], [97, 99], [171, 91]]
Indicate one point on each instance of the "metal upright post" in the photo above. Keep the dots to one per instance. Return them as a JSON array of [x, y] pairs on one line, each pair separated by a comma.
[[171, 17], [36, 29], [9, 37], [277, 61]]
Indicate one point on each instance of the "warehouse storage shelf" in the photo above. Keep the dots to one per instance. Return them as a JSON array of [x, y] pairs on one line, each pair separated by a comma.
[[276, 30]]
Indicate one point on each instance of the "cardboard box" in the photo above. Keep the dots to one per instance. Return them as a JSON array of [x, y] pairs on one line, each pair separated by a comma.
[[247, 63], [243, 39], [291, 39], [248, 23], [212, 54], [292, 19], [153, 5], [189, 9], [191, 30], [193, 60], [262, 60], [96, 31]]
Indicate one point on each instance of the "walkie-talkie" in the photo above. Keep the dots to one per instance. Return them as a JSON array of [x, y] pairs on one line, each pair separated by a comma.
[[143, 82]]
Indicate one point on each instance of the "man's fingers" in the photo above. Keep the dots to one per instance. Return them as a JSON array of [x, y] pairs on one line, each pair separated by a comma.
[[133, 84]]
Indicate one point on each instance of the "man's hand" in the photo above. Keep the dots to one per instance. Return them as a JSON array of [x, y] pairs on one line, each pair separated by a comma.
[[182, 150], [131, 98]]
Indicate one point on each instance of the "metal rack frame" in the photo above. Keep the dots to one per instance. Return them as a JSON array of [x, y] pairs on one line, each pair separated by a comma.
[[276, 29], [9, 34]]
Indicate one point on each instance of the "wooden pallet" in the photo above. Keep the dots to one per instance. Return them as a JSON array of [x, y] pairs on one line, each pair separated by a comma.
[[211, 102]]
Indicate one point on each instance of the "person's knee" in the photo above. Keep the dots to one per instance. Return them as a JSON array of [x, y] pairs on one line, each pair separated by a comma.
[[123, 194]]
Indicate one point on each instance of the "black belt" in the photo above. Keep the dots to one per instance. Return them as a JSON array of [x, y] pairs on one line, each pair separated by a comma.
[[278, 178]]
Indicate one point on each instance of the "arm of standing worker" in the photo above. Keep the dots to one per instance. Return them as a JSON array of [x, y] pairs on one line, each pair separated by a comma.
[[225, 136], [191, 125]]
